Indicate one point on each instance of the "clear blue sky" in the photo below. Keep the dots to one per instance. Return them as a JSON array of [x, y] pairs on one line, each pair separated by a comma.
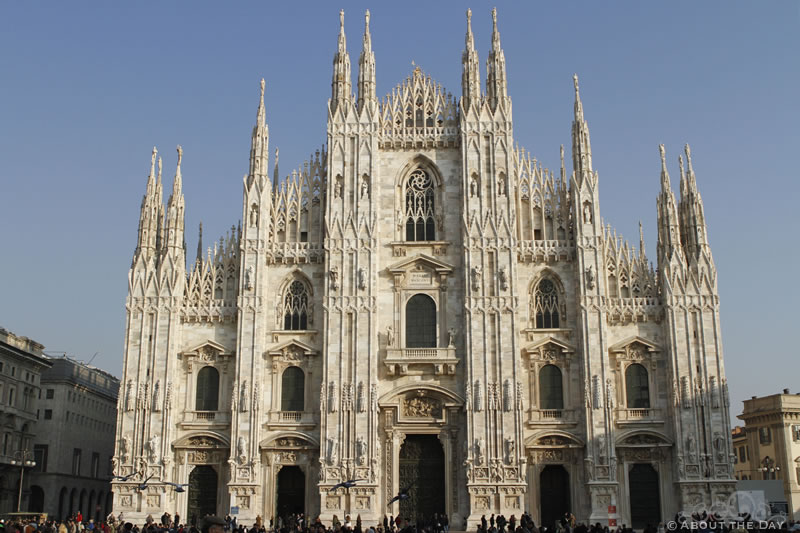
[[89, 87]]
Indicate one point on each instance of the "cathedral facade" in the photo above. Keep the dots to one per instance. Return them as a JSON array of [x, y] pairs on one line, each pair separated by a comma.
[[422, 304]]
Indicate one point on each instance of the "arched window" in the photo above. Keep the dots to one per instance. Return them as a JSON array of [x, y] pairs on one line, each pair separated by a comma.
[[207, 396], [296, 306], [420, 224], [637, 388], [545, 305], [292, 389], [551, 393], [421, 322]]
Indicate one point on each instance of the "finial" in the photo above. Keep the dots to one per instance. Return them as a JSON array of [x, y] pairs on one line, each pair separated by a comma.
[[469, 17], [663, 156], [153, 157], [688, 157], [366, 19], [277, 153], [180, 156], [159, 169], [641, 233], [575, 81], [262, 89], [341, 20], [562, 155], [494, 19]]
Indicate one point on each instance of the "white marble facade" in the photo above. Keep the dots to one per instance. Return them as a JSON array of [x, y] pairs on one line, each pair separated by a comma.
[[551, 344]]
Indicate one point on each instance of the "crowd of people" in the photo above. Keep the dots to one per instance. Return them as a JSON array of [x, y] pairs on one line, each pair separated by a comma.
[[438, 523]]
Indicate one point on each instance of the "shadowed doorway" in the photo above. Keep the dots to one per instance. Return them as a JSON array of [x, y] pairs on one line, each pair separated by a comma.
[[554, 499], [422, 468], [645, 501], [291, 491], [202, 493]]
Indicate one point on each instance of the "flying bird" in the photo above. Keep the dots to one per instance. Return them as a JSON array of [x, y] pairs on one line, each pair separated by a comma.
[[143, 484], [346, 484], [178, 486], [126, 478], [402, 495]]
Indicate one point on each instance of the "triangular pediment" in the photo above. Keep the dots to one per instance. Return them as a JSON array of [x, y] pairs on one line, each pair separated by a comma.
[[207, 347], [623, 345], [292, 346], [559, 345], [423, 260]]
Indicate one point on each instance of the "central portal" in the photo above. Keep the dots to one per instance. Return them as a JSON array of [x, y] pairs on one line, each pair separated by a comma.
[[202, 493], [421, 465], [291, 491]]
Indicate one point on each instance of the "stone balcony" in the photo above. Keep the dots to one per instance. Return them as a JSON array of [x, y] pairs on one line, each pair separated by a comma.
[[205, 419], [634, 417], [290, 419], [552, 417], [443, 361]]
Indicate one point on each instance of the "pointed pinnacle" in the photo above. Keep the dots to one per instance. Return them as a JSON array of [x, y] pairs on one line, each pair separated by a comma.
[[153, 162], [342, 38], [367, 36], [495, 33], [470, 41]]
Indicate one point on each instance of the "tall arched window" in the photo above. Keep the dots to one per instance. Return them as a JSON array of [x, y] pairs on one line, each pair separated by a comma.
[[420, 214], [551, 392], [207, 395], [637, 388], [292, 389], [545, 305], [421, 322], [296, 306]]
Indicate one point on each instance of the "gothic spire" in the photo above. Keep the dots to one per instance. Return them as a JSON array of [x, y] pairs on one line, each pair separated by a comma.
[[366, 69], [581, 145], [200, 244], [259, 142], [470, 75], [175, 209], [693, 221], [668, 225], [152, 211], [496, 87], [275, 172], [341, 86]]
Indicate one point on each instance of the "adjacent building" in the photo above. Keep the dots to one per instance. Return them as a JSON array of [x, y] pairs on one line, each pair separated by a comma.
[[768, 446], [22, 363], [74, 444], [422, 303]]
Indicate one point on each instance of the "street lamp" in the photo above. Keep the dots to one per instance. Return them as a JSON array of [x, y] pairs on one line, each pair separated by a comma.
[[22, 458], [769, 468]]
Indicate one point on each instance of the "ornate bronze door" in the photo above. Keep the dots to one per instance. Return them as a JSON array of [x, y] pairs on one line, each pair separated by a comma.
[[422, 468], [645, 501], [554, 494], [291, 491], [202, 493]]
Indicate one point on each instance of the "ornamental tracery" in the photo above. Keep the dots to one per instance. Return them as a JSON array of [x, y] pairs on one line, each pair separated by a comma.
[[296, 309], [420, 214]]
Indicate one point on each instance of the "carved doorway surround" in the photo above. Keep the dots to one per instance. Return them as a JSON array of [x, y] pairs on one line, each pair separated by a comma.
[[209, 451], [284, 450], [547, 452], [421, 410]]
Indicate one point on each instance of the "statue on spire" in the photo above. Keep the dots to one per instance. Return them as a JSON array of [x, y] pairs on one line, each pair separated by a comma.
[[180, 156]]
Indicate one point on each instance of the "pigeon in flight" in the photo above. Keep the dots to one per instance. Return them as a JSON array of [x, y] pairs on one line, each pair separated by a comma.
[[178, 486], [126, 478], [346, 484], [402, 495], [143, 484]]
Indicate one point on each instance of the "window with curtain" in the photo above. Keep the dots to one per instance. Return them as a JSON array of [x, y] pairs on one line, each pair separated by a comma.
[[637, 388], [421, 322], [551, 392], [293, 389], [207, 395]]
